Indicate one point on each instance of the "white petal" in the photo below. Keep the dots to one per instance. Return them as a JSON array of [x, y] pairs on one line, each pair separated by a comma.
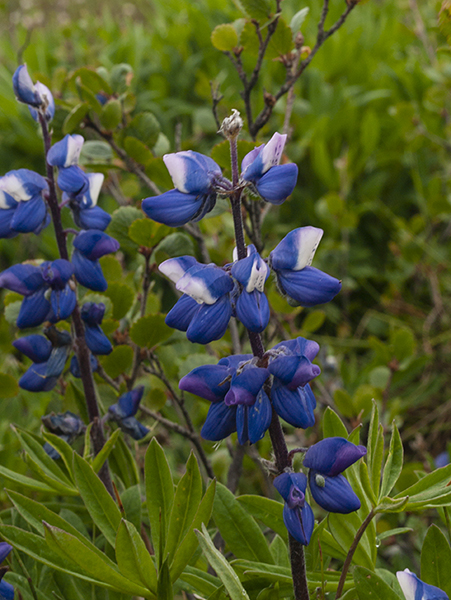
[[272, 152], [196, 288], [172, 269], [308, 241], [74, 145], [95, 185], [408, 583], [12, 185], [177, 166], [257, 277]]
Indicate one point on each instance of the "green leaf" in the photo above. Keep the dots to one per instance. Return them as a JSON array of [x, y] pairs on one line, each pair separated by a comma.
[[239, 530], [391, 505], [375, 450], [222, 568], [62, 447], [102, 456], [149, 331], [189, 543], [26, 482], [102, 508], [137, 150], [269, 512], [202, 582], [131, 501], [344, 529], [120, 77], [344, 403], [281, 42], [224, 37], [432, 483], [370, 585], [298, 19], [393, 464], [133, 558], [96, 152], [164, 590], [159, 494], [122, 296], [111, 114], [313, 321], [365, 481], [391, 532], [75, 117], [436, 560], [333, 425], [145, 127], [123, 463], [403, 344], [186, 502], [119, 361], [91, 79], [257, 9], [111, 268], [147, 233], [176, 244], [99, 567], [279, 552], [121, 220], [75, 398], [220, 153], [8, 386]]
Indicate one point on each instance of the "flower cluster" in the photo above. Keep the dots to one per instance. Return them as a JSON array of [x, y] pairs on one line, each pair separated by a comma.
[[198, 180], [325, 461]]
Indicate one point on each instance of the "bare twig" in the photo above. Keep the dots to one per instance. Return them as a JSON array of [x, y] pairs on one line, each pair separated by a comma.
[[216, 98]]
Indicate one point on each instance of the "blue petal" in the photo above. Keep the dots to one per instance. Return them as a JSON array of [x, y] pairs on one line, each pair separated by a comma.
[[309, 286], [6, 216], [283, 483], [65, 153], [73, 180], [299, 522], [293, 371], [259, 417], [246, 385], [415, 589], [23, 279], [29, 215], [182, 313], [442, 459], [133, 428], [24, 88], [34, 310], [299, 346], [251, 272], [253, 311], [263, 158], [94, 244], [23, 184], [90, 197], [296, 250], [88, 272], [278, 183], [210, 321], [91, 218], [173, 208], [92, 313], [191, 172], [35, 380], [129, 402], [50, 450], [63, 303], [209, 382], [254, 172], [175, 268], [205, 283], [75, 367], [47, 101], [57, 273], [36, 347], [234, 361], [336, 496], [295, 407], [242, 424], [57, 361], [220, 422], [5, 549], [6, 590], [97, 341], [332, 456]]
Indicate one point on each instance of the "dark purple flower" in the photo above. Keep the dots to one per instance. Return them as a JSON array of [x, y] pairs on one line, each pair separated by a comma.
[[124, 413], [297, 514]]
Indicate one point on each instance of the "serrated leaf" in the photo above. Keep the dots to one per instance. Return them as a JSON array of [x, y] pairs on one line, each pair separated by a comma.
[[133, 558], [100, 505], [75, 117], [147, 233], [121, 220], [149, 331], [159, 494], [370, 585], [269, 512], [8, 386], [224, 37], [256, 9], [222, 568], [122, 296], [393, 464], [239, 530], [119, 361]]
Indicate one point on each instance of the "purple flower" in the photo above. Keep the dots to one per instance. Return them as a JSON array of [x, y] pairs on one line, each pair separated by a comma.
[[196, 178], [37, 96], [325, 461], [291, 260], [89, 246], [297, 514], [96, 340], [415, 589], [239, 402], [260, 167], [66, 426], [205, 308], [34, 283], [6, 589], [124, 413]]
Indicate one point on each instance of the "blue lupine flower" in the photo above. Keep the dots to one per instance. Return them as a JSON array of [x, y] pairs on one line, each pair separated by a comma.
[[6, 589], [415, 589], [297, 514], [205, 309], [66, 426], [291, 395], [326, 460], [37, 96], [239, 403], [49, 295], [260, 167], [66, 153], [442, 459], [22, 207], [124, 413], [96, 340], [89, 246], [196, 178], [252, 307], [74, 366], [291, 260]]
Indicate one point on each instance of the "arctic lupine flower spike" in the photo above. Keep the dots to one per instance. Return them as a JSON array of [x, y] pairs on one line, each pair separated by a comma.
[[37, 96], [89, 246], [22, 207]]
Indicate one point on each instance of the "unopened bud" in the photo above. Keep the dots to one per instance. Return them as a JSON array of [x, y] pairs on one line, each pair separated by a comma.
[[299, 40], [231, 126], [269, 99]]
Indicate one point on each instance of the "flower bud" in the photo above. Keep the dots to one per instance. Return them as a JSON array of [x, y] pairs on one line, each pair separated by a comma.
[[231, 126]]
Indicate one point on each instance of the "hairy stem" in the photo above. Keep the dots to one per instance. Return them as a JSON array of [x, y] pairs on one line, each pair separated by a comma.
[[81, 349]]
